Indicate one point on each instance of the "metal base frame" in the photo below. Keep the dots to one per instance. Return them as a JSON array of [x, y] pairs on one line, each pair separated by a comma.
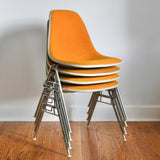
[[116, 101], [52, 102]]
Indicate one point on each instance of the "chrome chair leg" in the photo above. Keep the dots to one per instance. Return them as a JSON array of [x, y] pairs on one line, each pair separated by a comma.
[[64, 130], [63, 116], [119, 112], [92, 107], [116, 113], [64, 120], [91, 103], [39, 113], [53, 91], [62, 97], [38, 124], [64, 112], [121, 105], [91, 99], [120, 109], [38, 107]]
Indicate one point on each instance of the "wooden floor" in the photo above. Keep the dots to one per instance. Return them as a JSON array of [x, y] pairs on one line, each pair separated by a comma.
[[102, 141]]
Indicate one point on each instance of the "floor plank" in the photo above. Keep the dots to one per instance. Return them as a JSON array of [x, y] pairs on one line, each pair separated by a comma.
[[101, 141]]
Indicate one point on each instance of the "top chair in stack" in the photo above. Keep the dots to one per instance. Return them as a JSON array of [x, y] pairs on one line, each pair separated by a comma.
[[73, 65]]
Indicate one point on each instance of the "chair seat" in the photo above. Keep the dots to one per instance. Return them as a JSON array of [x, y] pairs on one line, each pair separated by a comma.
[[89, 88], [94, 62], [88, 80], [89, 72]]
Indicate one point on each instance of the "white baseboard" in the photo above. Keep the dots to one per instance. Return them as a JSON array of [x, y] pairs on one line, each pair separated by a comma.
[[23, 110], [106, 113]]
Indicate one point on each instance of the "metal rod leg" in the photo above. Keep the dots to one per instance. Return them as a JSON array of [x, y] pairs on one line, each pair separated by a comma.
[[38, 107], [67, 143], [60, 88], [64, 119], [120, 108], [63, 126], [118, 105], [66, 123], [39, 103], [38, 121], [121, 118], [63, 123], [64, 111], [38, 114], [38, 118], [92, 108], [116, 113], [37, 126], [91, 99], [120, 100], [122, 130]]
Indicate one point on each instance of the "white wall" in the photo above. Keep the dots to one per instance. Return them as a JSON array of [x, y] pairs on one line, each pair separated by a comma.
[[122, 28]]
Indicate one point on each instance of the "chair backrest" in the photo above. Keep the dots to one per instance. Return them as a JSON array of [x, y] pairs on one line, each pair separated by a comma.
[[68, 38]]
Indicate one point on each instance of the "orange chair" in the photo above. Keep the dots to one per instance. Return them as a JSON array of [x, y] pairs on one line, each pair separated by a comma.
[[73, 65], [70, 45]]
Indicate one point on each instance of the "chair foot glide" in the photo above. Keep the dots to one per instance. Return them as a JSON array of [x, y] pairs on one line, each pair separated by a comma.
[[34, 139]]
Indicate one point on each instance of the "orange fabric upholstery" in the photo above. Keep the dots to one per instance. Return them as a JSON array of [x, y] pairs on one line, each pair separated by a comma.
[[69, 41], [89, 72], [89, 79], [88, 88]]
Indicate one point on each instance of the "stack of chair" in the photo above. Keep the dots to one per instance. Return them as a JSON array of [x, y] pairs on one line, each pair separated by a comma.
[[73, 65]]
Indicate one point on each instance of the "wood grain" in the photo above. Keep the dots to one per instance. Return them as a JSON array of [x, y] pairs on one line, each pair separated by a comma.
[[102, 141]]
